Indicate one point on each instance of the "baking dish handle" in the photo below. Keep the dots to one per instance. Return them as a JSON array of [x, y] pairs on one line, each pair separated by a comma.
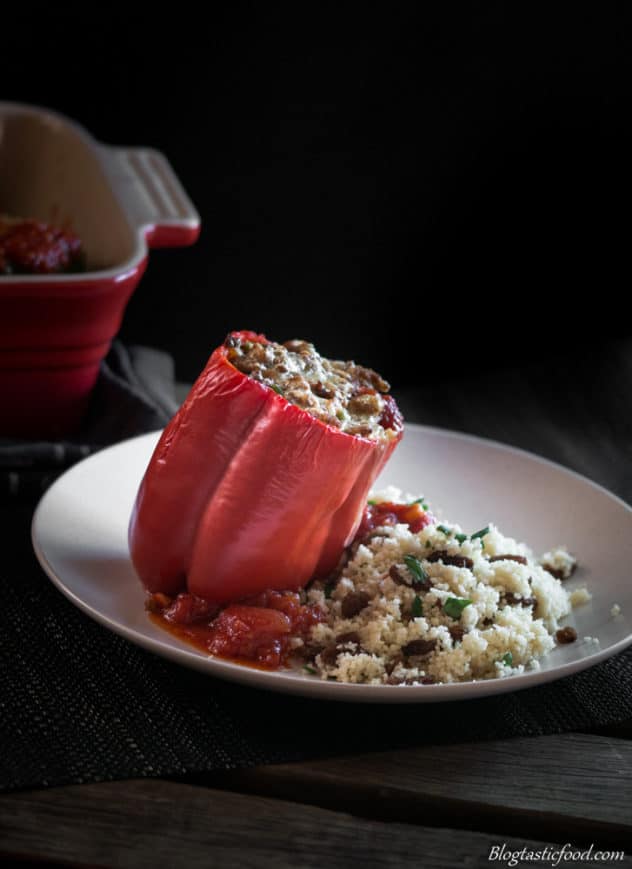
[[152, 196]]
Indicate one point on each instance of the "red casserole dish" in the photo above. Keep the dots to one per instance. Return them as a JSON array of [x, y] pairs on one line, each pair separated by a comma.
[[55, 329]]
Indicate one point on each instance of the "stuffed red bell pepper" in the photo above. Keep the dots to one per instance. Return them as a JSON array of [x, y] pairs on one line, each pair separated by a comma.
[[260, 479]]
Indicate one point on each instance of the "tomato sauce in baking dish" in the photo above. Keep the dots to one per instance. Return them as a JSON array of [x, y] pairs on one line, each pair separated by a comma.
[[30, 247]]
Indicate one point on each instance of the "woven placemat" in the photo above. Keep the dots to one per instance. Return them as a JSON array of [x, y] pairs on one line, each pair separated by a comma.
[[79, 704]]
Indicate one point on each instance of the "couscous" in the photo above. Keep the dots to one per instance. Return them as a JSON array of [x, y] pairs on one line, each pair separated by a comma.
[[438, 604]]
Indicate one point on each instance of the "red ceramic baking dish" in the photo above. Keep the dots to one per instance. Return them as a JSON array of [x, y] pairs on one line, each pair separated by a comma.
[[55, 329]]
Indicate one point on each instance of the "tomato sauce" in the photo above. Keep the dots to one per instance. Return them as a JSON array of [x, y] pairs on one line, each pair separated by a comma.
[[257, 631], [32, 247], [388, 513]]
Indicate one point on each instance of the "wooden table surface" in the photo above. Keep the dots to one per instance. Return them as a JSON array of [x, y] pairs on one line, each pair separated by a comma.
[[430, 806]]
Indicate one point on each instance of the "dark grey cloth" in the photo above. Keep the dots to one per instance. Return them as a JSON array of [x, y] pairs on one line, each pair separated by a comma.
[[79, 704]]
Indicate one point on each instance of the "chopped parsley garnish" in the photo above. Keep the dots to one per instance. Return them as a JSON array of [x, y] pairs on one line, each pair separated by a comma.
[[454, 606], [276, 388], [372, 503], [508, 659], [428, 544], [444, 530], [480, 534], [329, 587], [417, 501], [310, 670], [341, 415], [417, 607], [461, 537], [414, 565]]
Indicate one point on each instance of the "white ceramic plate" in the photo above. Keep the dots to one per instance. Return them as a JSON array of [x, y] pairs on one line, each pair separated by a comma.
[[80, 537]]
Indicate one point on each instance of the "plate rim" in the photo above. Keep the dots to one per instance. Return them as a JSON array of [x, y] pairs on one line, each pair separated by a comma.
[[290, 681]]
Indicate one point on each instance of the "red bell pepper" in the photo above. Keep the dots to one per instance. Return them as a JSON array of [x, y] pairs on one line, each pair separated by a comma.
[[246, 491]]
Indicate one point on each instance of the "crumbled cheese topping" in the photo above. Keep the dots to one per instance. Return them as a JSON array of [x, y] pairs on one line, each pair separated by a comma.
[[342, 394]]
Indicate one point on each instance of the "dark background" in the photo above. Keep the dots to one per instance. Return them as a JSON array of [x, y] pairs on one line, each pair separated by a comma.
[[425, 193]]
